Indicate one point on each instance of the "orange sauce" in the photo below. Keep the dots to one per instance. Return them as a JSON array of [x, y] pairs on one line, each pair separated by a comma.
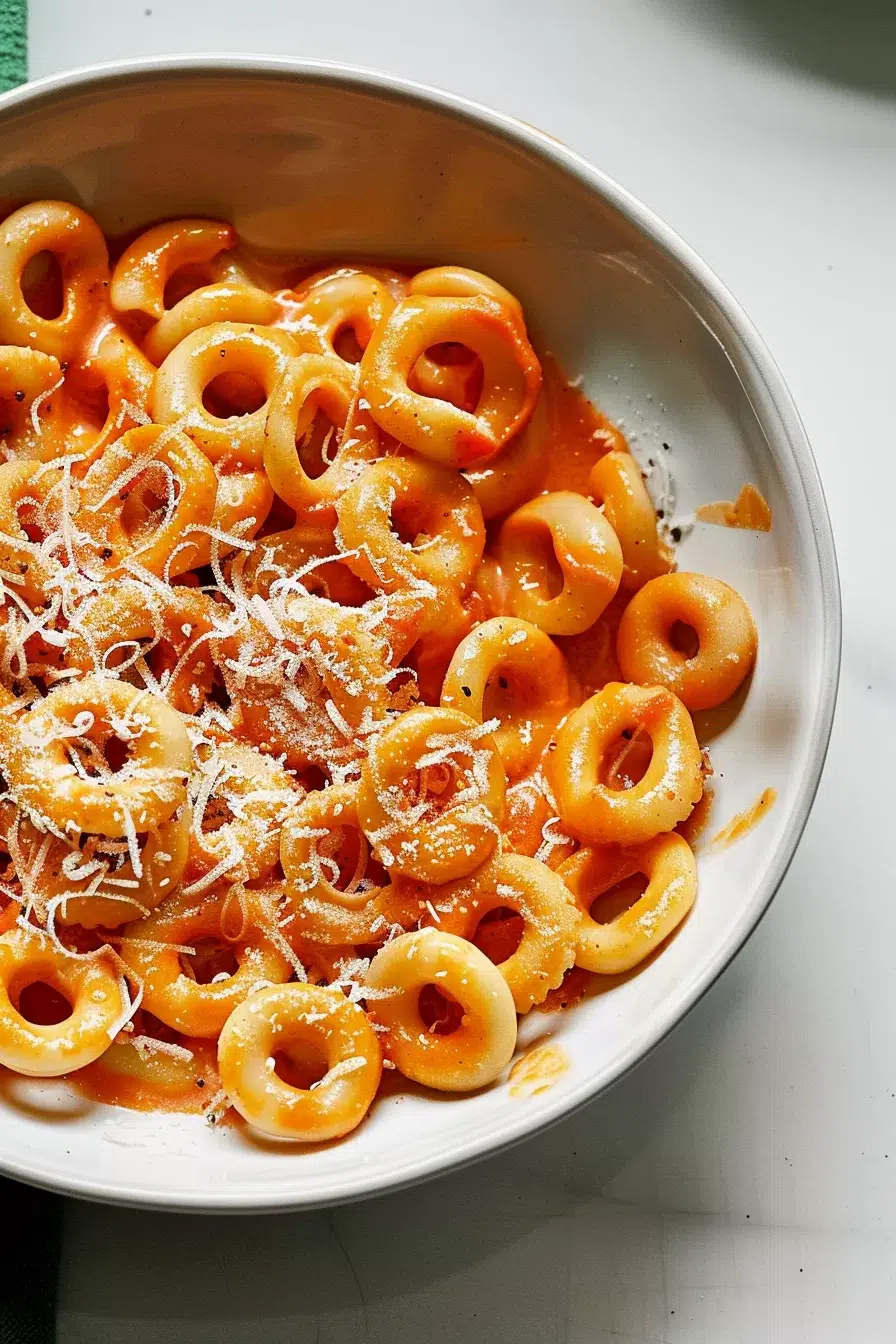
[[536, 1072], [749, 511], [578, 434], [694, 826], [746, 820]]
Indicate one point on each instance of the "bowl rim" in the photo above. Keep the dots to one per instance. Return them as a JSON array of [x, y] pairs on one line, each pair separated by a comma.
[[792, 441]]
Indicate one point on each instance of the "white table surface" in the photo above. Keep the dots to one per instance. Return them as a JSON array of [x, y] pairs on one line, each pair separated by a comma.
[[740, 1186]]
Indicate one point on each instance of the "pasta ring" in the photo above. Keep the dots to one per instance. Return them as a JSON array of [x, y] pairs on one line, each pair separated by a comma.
[[480, 1048], [670, 787], [122, 895], [668, 864], [144, 269], [432, 826], [89, 984], [26, 376], [222, 348], [439, 511], [617, 484], [145, 792], [283, 556], [257, 793], [174, 997], [114, 514], [725, 632], [77, 243], [509, 670], [226, 301], [299, 1017], [516, 471], [436, 429], [341, 301], [23, 564], [311, 383], [460, 382], [175, 627], [320, 909], [565, 529], [242, 503], [547, 948]]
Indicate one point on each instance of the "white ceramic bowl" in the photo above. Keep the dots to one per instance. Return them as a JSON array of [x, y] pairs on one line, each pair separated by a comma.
[[330, 161]]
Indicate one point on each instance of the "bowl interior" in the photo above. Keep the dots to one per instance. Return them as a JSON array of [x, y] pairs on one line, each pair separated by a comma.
[[321, 163]]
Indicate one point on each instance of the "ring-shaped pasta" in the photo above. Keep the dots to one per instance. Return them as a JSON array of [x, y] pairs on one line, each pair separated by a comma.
[[431, 796], [436, 429], [564, 530], [669, 788], [80, 249], [479, 1049], [130, 621], [305, 1019], [306, 554], [309, 384], [433, 507], [242, 504], [22, 563], [146, 791], [245, 796], [617, 484], [348, 300], [226, 301], [671, 871], [547, 947], [90, 985], [113, 510], [26, 376], [128, 378], [145, 267], [721, 620], [153, 948], [460, 380], [123, 894], [258, 353], [509, 670], [516, 472], [313, 856], [461, 282]]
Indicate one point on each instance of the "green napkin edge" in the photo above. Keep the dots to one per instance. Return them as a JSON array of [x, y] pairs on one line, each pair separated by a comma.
[[13, 43]]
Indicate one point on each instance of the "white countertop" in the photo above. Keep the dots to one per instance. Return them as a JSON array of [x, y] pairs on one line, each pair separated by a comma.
[[740, 1186]]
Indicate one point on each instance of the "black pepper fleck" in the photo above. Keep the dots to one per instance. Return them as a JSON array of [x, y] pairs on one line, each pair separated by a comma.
[[502, 682], [466, 690], [676, 534], [20, 396]]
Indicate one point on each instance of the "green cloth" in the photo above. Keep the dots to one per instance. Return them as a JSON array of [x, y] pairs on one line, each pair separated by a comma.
[[13, 43], [31, 1219]]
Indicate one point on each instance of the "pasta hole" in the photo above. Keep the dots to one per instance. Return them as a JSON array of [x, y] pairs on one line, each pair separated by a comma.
[[231, 395], [211, 959], [42, 286], [625, 761], [40, 1002], [185, 280], [499, 934], [610, 904], [145, 508], [410, 525], [450, 353], [504, 695], [439, 1012], [300, 1064], [347, 345], [318, 445], [542, 567], [684, 639], [344, 857], [117, 753]]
